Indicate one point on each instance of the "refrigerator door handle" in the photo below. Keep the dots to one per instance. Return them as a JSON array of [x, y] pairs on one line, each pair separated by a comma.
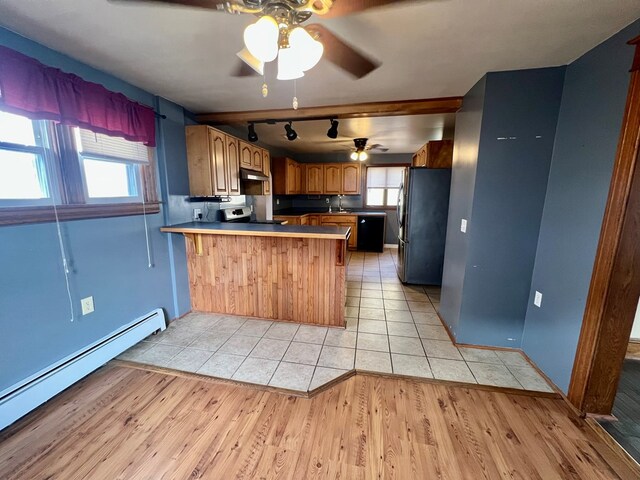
[[399, 214]]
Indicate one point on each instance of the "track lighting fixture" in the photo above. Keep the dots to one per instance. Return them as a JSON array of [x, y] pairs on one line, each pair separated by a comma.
[[291, 133], [333, 131], [252, 136]]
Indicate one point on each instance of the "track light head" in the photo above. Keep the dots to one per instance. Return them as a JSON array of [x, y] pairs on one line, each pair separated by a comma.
[[291, 133], [333, 131], [252, 135]]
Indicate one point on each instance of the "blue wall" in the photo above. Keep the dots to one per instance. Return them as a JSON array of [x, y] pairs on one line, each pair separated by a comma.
[[593, 102], [108, 256], [504, 171], [463, 180]]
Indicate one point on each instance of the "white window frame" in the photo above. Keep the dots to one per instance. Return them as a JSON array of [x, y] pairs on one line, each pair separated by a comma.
[[385, 196]]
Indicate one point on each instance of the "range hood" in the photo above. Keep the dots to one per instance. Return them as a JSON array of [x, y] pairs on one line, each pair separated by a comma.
[[252, 175]]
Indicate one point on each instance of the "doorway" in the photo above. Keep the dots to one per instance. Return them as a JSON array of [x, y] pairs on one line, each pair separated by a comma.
[[615, 283]]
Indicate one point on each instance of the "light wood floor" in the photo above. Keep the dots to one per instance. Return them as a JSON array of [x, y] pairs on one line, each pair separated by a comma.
[[127, 423]]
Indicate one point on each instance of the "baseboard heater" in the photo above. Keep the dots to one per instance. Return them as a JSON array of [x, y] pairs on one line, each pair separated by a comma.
[[19, 399]]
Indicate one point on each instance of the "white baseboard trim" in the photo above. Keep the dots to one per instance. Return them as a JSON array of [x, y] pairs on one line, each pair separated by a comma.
[[390, 245], [24, 396]]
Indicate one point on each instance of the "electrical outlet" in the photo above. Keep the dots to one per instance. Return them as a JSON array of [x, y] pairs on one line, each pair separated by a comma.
[[537, 299], [463, 226], [87, 305], [327, 201], [277, 201], [197, 214]]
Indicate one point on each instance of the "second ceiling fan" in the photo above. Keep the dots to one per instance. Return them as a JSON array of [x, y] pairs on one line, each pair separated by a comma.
[[280, 34]]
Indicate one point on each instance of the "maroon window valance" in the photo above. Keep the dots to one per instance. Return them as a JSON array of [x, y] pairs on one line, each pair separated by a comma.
[[40, 92]]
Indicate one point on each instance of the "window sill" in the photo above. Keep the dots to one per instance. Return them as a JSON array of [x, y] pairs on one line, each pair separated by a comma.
[[43, 214]]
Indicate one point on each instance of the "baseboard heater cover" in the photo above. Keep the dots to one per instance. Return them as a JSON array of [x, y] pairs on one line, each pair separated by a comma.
[[19, 399]]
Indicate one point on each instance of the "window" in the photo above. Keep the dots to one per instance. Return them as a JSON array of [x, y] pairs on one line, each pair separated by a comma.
[[23, 168], [85, 174], [110, 166], [383, 186]]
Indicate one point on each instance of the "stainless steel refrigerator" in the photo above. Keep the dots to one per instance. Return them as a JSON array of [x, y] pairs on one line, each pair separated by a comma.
[[423, 208]]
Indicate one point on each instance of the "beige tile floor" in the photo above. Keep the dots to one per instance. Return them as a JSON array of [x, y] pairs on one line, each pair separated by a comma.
[[391, 328]]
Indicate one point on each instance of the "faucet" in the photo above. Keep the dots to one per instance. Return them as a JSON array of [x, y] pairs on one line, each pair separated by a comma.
[[340, 209]]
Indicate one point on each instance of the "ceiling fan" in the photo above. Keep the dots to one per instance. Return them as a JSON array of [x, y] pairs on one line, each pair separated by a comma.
[[361, 149], [280, 33]]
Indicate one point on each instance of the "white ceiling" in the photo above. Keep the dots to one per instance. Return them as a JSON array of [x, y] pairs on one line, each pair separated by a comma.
[[402, 134], [428, 48]]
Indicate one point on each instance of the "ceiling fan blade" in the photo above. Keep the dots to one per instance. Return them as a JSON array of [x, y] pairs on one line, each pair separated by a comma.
[[243, 70], [379, 147], [342, 54], [249, 66], [218, 5], [341, 8]]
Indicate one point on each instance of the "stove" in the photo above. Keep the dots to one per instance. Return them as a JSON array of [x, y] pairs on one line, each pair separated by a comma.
[[243, 215]]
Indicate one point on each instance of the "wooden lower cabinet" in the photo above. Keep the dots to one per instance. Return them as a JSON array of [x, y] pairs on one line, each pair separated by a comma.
[[343, 221], [313, 220]]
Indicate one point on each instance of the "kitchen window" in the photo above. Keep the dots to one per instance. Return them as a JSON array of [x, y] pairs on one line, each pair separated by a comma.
[[84, 174], [383, 186]]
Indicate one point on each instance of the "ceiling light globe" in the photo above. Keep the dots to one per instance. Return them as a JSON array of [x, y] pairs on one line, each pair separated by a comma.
[[308, 51], [354, 155], [261, 39], [288, 68], [362, 156]]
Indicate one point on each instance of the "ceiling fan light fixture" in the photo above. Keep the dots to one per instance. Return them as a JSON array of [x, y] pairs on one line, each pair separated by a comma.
[[354, 156], [307, 50], [291, 133], [261, 39], [252, 136], [288, 68], [363, 156]]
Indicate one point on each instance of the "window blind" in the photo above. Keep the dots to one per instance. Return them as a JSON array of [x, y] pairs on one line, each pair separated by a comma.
[[384, 177], [91, 144]]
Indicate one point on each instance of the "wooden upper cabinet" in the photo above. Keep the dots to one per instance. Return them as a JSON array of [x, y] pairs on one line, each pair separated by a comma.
[[351, 179], [246, 155], [439, 154], [332, 179], [315, 179], [292, 185], [300, 180], [207, 161], [435, 154], [266, 169], [199, 161], [220, 167], [256, 163], [233, 163]]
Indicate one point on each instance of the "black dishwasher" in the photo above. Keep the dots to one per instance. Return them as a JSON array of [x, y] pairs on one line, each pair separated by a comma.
[[371, 233]]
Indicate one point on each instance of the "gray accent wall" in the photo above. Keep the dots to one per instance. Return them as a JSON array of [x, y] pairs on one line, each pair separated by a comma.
[[108, 257], [589, 124], [504, 172], [463, 180]]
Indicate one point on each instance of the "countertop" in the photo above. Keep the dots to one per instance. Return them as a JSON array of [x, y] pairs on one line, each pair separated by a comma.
[[297, 212], [260, 230]]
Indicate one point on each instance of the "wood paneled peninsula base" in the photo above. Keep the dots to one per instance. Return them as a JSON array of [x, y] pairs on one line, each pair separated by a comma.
[[278, 272]]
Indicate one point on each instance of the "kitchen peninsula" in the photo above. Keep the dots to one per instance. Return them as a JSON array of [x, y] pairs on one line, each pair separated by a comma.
[[278, 272]]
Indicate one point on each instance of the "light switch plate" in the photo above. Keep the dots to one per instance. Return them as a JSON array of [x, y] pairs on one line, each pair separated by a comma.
[[87, 305], [537, 299], [463, 226], [197, 214]]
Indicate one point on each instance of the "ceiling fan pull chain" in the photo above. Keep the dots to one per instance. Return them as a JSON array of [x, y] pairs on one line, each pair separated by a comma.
[[295, 95]]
